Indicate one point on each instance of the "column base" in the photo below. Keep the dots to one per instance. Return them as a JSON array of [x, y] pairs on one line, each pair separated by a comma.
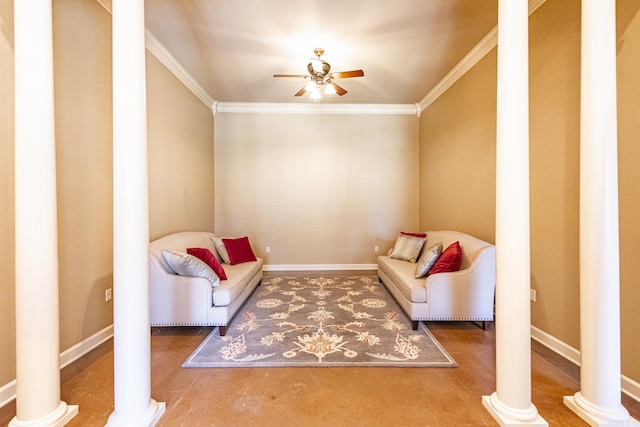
[[506, 416], [62, 415], [149, 418], [597, 416]]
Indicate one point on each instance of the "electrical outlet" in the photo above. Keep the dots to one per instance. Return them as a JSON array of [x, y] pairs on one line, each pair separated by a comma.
[[268, 250], [107, 295], [376, 248], [532, 294]]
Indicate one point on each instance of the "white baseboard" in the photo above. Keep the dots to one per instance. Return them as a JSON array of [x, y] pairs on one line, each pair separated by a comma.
[[629, 387], [74, 353], [8, 391], [551, 342], [318, 267]]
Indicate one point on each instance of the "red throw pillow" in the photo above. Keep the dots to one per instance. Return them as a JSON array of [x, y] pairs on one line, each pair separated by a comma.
[[423, 235], [239, 250], [450, 260], [210, 259]]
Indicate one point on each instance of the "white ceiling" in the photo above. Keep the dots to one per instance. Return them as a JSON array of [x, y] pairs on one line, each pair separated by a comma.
[[232, 48]]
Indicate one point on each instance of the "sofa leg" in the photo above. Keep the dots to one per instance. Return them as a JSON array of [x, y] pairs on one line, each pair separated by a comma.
[[414, 324], [223, 330], [486, 325]]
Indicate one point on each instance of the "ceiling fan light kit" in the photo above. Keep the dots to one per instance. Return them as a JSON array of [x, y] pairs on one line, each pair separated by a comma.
[[321, 79]]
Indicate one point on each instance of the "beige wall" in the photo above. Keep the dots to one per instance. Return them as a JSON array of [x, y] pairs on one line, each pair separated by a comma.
[[462, 121], [458, 156], [180, 135], [629, 185], [82, 91], [554, 159], [7, 259], [180, 138], [316, 189]]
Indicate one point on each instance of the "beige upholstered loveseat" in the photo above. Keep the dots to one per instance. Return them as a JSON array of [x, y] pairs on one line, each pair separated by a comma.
[[192, 301], [466, 294]]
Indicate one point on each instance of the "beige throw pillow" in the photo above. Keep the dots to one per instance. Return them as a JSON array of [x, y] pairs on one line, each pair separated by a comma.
[[221, 249], [428, 259], [407, 247], [188, 265]]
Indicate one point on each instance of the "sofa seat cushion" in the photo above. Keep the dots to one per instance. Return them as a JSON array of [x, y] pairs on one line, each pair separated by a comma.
[[402, 274], [238, 277]]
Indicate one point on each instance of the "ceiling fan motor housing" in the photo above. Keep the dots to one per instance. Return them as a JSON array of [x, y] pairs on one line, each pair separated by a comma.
[[319, 68]]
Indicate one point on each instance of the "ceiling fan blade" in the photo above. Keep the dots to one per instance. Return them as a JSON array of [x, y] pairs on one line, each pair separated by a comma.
[[301, 91], [346, 74], [339, 90], [295, 76]]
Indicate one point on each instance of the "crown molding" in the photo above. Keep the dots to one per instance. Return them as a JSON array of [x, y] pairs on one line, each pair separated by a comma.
[[472, 58], [106, 4], [534, 5], [316, 108], [469, 61], [168, 60], [172, 64]]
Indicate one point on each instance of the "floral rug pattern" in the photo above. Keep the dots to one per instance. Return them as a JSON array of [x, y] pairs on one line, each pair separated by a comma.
[[320, 321]]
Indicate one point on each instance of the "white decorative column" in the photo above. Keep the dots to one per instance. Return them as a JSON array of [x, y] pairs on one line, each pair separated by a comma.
[[511, 403], [36, 224], [132, 343], [599, 401]]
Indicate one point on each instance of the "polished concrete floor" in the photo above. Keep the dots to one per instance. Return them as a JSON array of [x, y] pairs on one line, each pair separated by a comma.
[[322, 396]]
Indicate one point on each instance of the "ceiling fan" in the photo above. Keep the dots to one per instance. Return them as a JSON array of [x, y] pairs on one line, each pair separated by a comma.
[[320, 77]]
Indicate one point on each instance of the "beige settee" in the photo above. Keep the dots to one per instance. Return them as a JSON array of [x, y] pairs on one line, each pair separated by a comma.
[[466, 294], [192, 301]]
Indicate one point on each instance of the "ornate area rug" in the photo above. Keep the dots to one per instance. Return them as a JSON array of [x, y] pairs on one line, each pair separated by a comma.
[[320, 321]]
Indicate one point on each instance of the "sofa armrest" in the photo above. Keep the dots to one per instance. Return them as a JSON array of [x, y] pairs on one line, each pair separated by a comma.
[[177, 300], [464, 294]]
